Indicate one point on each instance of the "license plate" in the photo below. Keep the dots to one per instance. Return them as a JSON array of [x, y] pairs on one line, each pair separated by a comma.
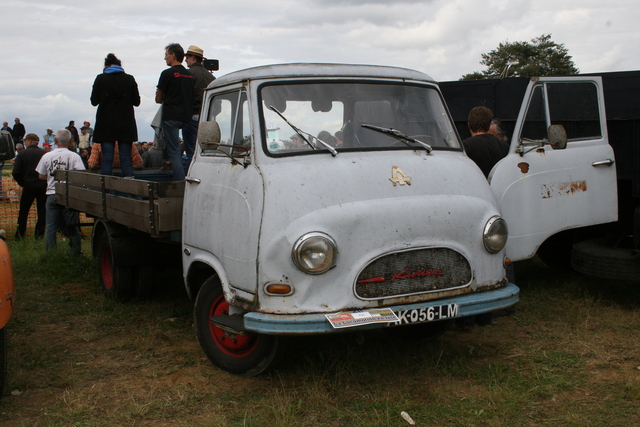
[[428, 314]]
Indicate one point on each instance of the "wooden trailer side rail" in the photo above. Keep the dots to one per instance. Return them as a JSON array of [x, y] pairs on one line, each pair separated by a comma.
[[153, 207]]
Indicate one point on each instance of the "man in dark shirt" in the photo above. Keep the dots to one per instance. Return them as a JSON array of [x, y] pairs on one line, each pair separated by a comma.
[[18, 131], [482, 147], [33, 188], [175, 93], [485, 150]]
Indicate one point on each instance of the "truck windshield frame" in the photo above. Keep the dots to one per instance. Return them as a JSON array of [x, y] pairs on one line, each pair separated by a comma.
[[335, 110]]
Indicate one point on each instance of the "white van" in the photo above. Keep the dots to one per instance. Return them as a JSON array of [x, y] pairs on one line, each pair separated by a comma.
[[392, 225]]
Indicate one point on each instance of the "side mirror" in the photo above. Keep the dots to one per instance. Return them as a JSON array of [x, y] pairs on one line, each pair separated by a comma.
[[209, 135], [557, 137]]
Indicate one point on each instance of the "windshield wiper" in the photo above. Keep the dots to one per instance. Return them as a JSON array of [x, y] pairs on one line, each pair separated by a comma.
[[399, 135], [303, 133]]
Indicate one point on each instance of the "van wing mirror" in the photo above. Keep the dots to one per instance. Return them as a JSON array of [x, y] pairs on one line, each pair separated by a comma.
[[209, 135], [557, 137]]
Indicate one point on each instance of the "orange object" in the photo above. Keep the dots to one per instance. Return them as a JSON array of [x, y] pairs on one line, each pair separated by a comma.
[[7, 285], [96, 157]]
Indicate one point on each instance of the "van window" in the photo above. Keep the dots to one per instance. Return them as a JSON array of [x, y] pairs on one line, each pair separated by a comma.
[[572, 105], [335, 112], [231, 111]]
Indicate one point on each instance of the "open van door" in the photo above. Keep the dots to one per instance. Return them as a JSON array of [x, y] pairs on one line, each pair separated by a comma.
[[559, 173]]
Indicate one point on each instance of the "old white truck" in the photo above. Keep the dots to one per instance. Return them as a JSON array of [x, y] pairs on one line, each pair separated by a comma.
[[326, 196]]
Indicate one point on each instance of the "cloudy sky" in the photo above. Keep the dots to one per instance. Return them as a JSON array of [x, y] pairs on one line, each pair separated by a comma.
[[54, 49]]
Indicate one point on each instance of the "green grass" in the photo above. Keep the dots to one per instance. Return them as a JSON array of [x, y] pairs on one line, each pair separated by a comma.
[[568, 357]]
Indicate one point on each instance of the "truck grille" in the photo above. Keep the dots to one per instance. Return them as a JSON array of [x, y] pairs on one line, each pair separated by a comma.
[[412, 272]]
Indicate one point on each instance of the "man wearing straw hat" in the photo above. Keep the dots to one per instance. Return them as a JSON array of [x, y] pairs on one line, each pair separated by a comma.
[[193, 58]]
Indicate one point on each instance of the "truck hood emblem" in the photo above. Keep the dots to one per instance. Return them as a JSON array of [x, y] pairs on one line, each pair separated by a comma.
[[399, 177]]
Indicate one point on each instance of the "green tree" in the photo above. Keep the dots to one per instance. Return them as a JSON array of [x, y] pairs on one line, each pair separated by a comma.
[[541, 57]]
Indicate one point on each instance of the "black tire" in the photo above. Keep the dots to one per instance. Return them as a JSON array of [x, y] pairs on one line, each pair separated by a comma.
[[3, 359], [144, 281], [117, 281], [245, 355], [555, 252], [597, 257]]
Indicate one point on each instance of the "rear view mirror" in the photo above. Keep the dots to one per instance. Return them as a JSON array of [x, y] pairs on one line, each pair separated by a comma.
[[209, 135], [557, 137]]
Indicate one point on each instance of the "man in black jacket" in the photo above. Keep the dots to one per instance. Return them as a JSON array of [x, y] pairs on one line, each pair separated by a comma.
[[33, 188], [18, 131]]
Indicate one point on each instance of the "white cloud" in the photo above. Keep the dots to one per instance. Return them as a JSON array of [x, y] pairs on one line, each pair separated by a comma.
[[54, 50]]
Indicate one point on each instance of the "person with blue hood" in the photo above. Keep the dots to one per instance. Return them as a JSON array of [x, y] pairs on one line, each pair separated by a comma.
[[115, 93]]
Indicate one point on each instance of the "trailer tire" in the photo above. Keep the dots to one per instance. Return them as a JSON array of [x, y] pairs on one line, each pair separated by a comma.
[[245, 355], [117, 281], [144, 282], [555, 252], [597, 257]]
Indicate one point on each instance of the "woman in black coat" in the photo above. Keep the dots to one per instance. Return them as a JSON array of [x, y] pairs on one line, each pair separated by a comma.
[[115, 93]]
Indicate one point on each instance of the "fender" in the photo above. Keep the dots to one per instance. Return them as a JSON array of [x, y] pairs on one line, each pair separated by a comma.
[[195, 259]]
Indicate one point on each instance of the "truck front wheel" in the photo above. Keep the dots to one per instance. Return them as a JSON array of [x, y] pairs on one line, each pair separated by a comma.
[[245, 355], [116, 280]]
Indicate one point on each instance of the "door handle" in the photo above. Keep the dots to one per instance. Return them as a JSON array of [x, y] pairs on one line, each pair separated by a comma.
[[607, 162], [192, 180]]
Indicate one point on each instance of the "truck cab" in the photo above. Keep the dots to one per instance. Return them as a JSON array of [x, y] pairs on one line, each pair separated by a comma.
[[326, 196], [554, 195]]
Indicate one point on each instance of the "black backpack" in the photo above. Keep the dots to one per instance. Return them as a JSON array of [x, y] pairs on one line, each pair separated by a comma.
[[7, 149]]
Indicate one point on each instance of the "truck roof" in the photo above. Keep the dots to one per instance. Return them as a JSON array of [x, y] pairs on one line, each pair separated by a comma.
[[320, 70]]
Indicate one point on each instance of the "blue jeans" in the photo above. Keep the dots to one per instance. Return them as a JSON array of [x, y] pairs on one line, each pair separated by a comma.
[[171, 152], [108, 150], [189, 134], [57, 217]]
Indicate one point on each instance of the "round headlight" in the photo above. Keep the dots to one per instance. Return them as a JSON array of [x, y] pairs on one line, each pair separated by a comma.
[[315, 253], [495, 234]]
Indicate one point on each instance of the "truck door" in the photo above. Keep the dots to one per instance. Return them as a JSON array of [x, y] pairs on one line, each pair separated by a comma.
[[223, 199], [542, 190]]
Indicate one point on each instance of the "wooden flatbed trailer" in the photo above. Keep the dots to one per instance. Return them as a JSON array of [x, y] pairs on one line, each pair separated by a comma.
[[136, 229], [150, 204]]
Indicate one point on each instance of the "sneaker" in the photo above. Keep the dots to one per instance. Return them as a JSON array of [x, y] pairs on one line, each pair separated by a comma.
[[166, 167]]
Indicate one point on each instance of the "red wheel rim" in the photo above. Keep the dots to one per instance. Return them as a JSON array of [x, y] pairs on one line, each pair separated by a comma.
[[237, 346], [106, 268]]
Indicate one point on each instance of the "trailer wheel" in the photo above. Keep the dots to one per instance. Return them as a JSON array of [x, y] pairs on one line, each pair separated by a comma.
[[245, 355], [144, 281], [116, 280], [597, 257], [555, 252]]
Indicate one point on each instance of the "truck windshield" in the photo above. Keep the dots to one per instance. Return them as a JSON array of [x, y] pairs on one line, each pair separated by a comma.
[[335, 113]]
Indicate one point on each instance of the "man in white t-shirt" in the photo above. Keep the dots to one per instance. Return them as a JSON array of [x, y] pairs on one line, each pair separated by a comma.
[[57, 215]]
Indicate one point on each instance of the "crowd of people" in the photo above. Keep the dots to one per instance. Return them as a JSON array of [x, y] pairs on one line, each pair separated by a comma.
[[114, 141]]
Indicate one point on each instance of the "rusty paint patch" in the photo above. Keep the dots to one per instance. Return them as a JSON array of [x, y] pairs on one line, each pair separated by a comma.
[[524, 167], [563, 188]]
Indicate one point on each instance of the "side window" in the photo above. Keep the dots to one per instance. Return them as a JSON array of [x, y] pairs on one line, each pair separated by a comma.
[[231, 111], [242, 135], [535, 125], [573, 105]]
